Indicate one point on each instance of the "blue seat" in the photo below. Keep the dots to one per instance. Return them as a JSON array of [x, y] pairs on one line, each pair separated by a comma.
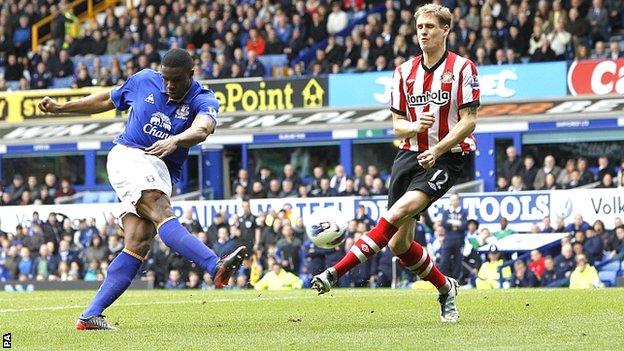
[[613, 266], [90, 197], [13, 85], [65, 82], [107, 197], [608, 277]]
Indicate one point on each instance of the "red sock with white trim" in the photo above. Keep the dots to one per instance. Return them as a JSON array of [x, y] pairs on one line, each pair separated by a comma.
[[367, 246], [417, 260]]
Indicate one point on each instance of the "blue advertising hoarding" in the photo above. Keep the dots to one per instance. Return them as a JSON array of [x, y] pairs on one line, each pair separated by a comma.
[[498, 83]]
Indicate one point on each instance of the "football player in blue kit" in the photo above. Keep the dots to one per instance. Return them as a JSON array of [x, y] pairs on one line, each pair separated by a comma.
[[169, 113]]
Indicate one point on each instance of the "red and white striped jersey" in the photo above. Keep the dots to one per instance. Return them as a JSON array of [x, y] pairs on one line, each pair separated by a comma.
[[444, 89]]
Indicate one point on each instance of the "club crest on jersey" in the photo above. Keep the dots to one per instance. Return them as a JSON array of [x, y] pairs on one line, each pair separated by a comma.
[[447, 77], [182, 112], [439, 97]]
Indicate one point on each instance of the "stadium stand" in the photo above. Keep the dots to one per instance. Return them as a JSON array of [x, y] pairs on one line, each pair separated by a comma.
[[235, 39], [284, 34]]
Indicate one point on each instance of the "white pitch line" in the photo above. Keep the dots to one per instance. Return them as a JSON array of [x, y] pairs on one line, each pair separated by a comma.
[[182, 302]]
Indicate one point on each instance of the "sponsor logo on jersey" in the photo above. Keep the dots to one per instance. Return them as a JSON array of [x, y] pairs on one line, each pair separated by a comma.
[[159, 126], [439, 97]]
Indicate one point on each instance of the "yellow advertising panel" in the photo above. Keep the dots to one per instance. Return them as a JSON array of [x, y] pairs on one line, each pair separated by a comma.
[[18, 106]]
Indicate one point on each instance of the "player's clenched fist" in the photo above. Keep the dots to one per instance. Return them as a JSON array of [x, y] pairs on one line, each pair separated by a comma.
[[48, 104], [425, 121]]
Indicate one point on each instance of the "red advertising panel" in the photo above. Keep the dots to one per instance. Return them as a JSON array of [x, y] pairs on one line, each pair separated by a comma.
[[596, 77]]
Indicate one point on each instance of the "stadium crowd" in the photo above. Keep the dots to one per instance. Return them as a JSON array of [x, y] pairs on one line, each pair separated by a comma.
[[59, 248], [519, 173], [29, 191], [363, 182], [226, 37]]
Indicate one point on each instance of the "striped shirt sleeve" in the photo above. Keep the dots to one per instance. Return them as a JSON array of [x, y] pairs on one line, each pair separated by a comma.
[[469, 86], [397, 95]]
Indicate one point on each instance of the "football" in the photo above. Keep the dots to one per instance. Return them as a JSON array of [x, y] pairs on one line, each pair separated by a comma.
[[326, 227]]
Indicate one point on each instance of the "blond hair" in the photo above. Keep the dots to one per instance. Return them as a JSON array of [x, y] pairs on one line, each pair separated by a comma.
[[443, 14]]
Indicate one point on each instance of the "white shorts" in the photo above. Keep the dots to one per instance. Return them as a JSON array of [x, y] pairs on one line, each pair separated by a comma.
[[131, 170]]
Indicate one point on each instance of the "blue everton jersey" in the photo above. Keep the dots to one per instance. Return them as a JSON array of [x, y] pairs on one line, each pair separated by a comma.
[[153, 117]]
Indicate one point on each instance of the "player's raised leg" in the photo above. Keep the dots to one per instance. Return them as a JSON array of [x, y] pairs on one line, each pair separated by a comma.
[[378, 237], [415, 258], [138, 233], [155, 206]]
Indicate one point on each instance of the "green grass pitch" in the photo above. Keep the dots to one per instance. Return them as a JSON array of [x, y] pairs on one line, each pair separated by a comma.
[[345, 319]]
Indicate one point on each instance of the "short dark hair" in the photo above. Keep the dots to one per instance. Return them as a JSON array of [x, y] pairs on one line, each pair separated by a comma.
[[178, 58]]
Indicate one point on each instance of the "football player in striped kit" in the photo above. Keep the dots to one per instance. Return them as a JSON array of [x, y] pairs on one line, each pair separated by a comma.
[[434, 103]]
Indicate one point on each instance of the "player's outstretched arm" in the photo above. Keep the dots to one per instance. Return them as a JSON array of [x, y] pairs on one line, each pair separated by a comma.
[[459, 132], [405, 129], [94, 103], [203, 125]]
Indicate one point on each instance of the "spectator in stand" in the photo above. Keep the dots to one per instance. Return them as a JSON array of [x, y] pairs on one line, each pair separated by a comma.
[[242, 179], [502, 184], [288, 172], [604, 168], [326, 190], [564, 262], [537, 264], [488, 276], [598, 19], [274, 189], [454, 221], [546, 226], [529, 172], [339, 181], [83, 79], [337, 20], [513, 164], [550, 274], [550, 167], [523, 278], [17, 187], [288, 250], [223, 245], [253, 67], [516, 184], [600, 51], [65, 66], [190, 222], [615, 51], [288, 189], [41, 78], [578, 225], [278, 279], [593, 245], [564, 176], [65, 189], [586, 177], [584, 276], [606, 181], [504, 231], [175, 280]]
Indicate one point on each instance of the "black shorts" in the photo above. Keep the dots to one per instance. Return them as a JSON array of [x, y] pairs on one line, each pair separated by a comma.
[[407, 174]]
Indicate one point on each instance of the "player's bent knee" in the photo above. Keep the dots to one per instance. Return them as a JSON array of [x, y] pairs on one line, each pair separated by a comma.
[[154, 206]]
